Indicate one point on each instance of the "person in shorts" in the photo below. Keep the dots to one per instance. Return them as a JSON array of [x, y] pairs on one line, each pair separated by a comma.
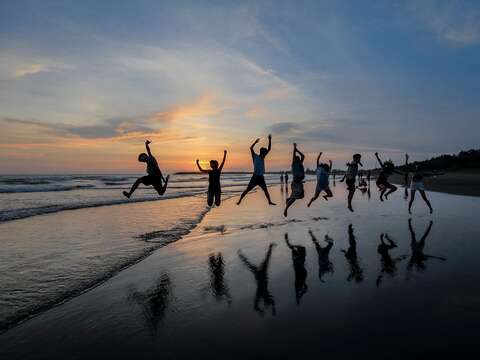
[[298, 173], [323, 173], [214, 192], [350, 178]]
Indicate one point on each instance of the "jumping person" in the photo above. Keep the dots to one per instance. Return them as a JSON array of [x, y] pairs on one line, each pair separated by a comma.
[[214, 189], [323, 172], [154, 176], [388, 168], [258, 170], [417, 185], [298, 173], [350, 178]]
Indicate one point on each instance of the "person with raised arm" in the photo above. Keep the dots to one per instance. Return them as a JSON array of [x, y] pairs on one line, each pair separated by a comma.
[[258, 176], [350, 178], [323, 173], [154, 175], [298, 173], [214, 192], [417, 185], [388, 168]]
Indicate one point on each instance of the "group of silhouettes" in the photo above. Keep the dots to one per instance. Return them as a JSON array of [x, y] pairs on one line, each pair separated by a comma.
[[156, 179]]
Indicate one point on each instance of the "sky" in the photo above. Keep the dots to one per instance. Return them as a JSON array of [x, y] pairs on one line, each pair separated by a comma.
[[84, 83]]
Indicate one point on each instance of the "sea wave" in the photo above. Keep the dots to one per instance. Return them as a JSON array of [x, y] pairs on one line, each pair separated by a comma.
[[27, 189]]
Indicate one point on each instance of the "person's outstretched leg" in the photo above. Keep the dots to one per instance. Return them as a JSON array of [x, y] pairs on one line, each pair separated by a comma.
[[412, 198], [289, 203], [315, 197], [134, 187], [161, 189], [392, 188], [349, 199], [249, 188], [328, 195], [265, 190], [424, 197]]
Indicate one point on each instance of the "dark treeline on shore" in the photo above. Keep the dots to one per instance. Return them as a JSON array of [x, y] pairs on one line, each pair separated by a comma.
[[469, 159]]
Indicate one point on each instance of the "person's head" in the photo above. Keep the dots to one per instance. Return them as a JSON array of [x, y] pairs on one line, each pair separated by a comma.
[[388, 165], [142, 157], [296, 159], [326, 167], [263, 152], [214, 164], [357, 159]]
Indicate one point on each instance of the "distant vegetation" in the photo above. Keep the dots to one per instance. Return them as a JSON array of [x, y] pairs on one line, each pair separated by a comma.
[[469, 159]]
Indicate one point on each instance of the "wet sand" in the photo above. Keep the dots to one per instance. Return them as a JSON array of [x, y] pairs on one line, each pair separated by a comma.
[[218, 293]]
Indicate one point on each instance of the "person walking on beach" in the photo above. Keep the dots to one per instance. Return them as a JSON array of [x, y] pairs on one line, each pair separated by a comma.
[[325, 266], [214, 192], [258, 177], [154, 177], [417, 185], [261, 276], [323, 173], [388, 168], [298, 173], [298, 256], [350, 178]]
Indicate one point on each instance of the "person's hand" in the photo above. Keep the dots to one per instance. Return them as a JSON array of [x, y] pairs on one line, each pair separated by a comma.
[[147, 142], [257, 141], [320, 153], [270, 136], [407, 156], [198, 161], [376, 153], [224, 151], [294, 145]]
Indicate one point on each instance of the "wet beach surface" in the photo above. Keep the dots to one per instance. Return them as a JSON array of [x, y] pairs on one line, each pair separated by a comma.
[[233, 289]]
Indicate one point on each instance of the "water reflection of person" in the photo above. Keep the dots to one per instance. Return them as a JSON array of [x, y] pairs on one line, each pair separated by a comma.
[[261, 276], [153, 301], [356, 272], [389, 264], [218, 285], [325, 266], [298, 256], [418, 257]]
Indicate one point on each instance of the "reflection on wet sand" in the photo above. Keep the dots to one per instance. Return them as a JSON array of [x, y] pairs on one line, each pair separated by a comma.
[[153, 301], [389, 264], [325, 266], [298, 256], [218, 285], [261, 276], [418, 258], [356, 272]]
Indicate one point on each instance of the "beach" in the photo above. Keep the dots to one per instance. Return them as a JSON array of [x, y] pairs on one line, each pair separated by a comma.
[[230, 287]]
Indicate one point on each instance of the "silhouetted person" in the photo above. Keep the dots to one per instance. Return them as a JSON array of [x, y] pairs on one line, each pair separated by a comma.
[[417, 185], [281, 178], [350, 178], [258, 177], [389, 264], [298, 256], [218, 285], [261, 276], [405, 177], [214, 189], [369, 173], [286, 178], [323, 173], [154, 177], [418, 257], [298, 173], [356, 272], [325, 266], [153, 301], [388, 168]]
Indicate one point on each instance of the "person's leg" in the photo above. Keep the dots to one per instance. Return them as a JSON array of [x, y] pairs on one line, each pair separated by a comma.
[[424, 197], [391, 188], [350, 197], [161, 189], [210, 198], [290, 202], [135, 186], [263, 185], [249, 188], [218, 198], [412, 198], [315, 196], [328, 195]]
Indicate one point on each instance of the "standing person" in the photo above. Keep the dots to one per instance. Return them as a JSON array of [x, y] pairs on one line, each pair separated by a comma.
[[323, 172], [388, 168], [417, 185], [281, 178], [214, 189], [405, 179], [258, 177], [286, 178], [298, 173], [154, 175], [350, 178]]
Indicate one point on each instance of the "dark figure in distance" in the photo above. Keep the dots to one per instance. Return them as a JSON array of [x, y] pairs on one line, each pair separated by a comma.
[[214, 188], [154, 177], [261, 276], [298, 173], [298, 256], [258, 177], [325, 266], [356, 272]]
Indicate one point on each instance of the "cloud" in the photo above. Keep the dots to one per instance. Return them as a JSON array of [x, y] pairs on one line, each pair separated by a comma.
[[457, 23]]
